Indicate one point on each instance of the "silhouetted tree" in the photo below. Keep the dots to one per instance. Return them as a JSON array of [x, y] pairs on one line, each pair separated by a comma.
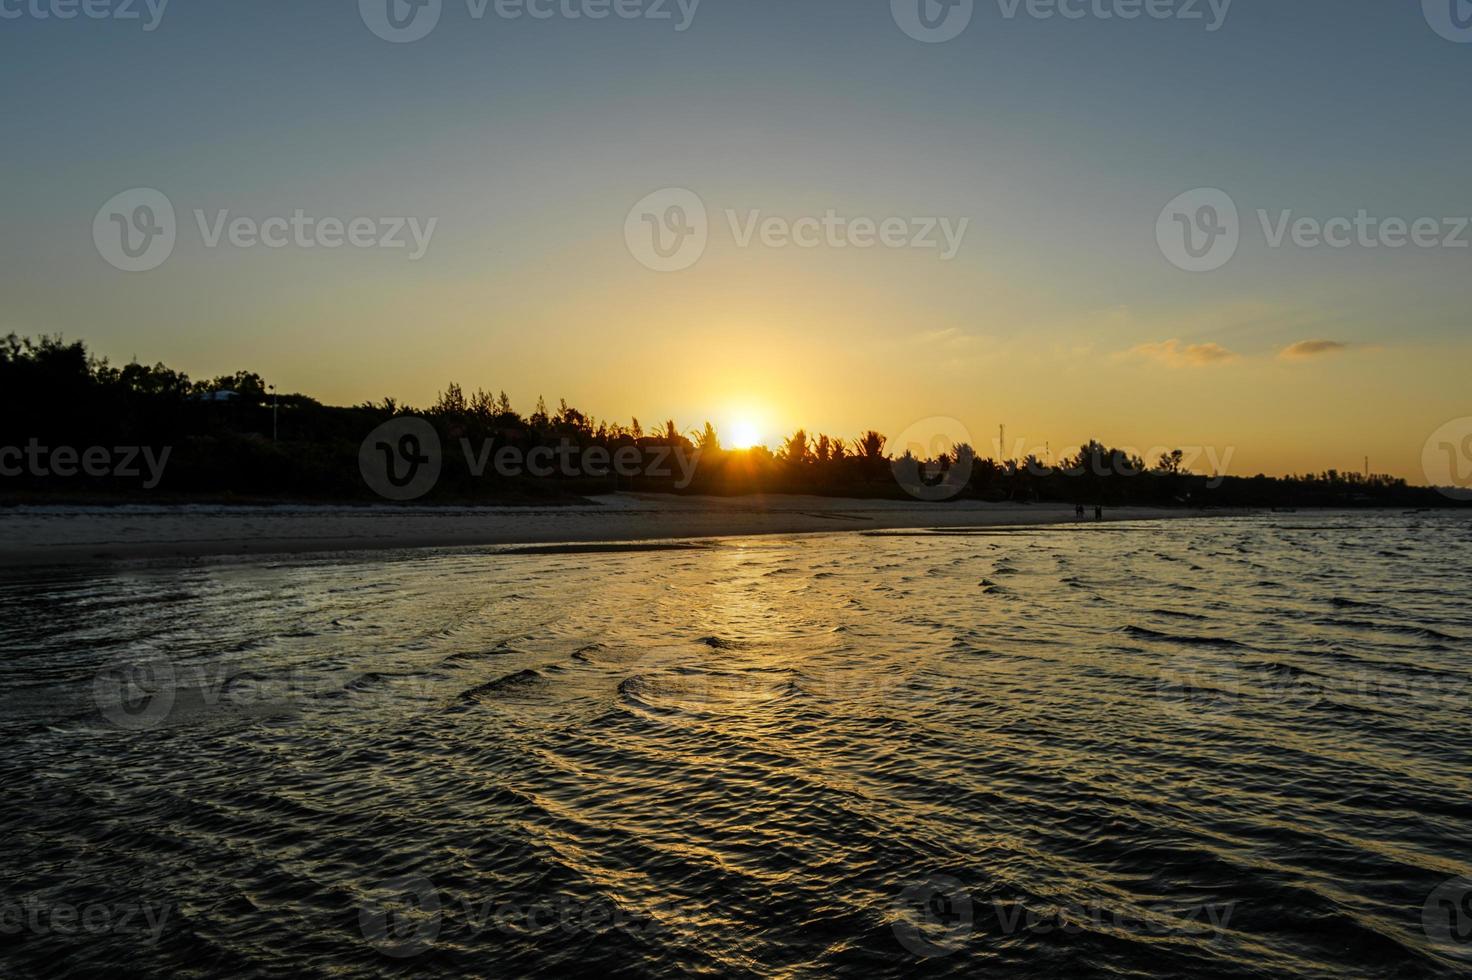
[[794, 451], [1170, 463], [823, 451], [451, 402], [871, 446], [707, 441]]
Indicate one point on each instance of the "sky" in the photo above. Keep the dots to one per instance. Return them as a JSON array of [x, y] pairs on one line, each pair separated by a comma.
[[767, 142]]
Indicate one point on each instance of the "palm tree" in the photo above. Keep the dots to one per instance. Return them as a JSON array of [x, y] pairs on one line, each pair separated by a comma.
[[871, 446], [824, 451], [795, 450], [706, 439]]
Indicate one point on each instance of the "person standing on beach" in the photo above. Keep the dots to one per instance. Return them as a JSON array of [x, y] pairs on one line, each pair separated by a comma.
[[1098, 512]]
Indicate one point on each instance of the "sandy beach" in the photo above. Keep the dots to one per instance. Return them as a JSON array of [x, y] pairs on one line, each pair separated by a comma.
[[34, 536]]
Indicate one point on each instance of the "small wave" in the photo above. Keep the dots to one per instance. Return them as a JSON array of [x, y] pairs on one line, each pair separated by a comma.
[[1400, 629], [1176, 614], [378, 678], [1141, 632], [469, 656], [509, 682], [1282, 669], [721, 643], [633, 688], [582, 652]]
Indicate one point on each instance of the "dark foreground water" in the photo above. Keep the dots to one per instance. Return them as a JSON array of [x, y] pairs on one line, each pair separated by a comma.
[[1234, 747]]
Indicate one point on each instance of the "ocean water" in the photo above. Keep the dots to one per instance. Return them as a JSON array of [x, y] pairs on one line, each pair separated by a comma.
[[1235, 747]]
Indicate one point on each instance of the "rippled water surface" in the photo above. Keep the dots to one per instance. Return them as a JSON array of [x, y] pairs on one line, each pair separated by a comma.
[[1219, 747]]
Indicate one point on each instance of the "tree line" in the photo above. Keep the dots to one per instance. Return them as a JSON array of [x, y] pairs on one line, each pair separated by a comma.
[[258, 445]]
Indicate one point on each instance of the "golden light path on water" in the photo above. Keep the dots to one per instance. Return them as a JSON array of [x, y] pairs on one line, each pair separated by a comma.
[[1215, 747]]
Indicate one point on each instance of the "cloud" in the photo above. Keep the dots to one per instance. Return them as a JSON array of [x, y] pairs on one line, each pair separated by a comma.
[[1175, 354], [1305, 349], [950, 339]]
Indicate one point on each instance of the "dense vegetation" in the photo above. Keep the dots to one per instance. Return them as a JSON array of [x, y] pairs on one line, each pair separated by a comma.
[[254, 445]]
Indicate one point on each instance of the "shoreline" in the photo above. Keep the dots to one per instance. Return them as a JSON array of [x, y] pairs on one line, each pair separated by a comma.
[[42, 536]]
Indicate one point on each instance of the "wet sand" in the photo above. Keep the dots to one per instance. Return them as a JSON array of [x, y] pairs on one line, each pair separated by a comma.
[[33, 536]]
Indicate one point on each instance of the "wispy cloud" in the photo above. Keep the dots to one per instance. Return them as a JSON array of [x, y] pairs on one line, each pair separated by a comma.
[[950, 339], [1305, 349], [1175, 354]]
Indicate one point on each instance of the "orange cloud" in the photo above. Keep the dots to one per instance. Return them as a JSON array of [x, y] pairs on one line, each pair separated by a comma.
[[1176, 354], [1305, 349]]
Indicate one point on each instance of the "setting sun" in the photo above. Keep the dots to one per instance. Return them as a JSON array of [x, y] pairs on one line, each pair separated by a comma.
[[744, 434]]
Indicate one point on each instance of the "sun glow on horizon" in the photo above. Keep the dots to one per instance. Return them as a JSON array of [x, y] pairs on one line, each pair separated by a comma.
[[744, 434]]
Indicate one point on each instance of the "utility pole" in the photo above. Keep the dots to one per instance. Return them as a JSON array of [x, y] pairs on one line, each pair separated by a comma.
[[1002, 442], [273, 412]]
